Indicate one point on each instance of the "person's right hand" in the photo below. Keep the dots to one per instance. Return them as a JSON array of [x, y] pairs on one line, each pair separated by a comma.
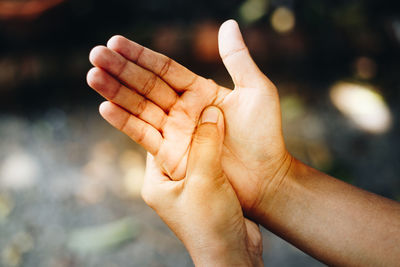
[[202, 209], [163, 112]]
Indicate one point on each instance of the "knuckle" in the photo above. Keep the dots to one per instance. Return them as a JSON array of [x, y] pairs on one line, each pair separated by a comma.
[[123, 126], [165, 68], [142, 134], [149, 85], [141, 106]]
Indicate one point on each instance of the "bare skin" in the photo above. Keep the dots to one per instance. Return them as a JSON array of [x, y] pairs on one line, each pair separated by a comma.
[[161, 103], [334, 222], [202, 209]]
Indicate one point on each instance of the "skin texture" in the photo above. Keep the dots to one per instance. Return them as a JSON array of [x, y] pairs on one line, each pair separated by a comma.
[[334, 222], [202, 209], [158, 102]]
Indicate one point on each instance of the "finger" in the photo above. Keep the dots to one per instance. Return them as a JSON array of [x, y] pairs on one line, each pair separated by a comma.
[[205, 153], [255, 244], [152, 185], [140, 131], [157, 188], [236, 57], [143, 81], [139, 106], [154, 173], [176, 75]]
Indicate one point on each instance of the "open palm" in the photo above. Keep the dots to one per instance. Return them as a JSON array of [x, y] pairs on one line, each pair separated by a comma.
[[158, 103]]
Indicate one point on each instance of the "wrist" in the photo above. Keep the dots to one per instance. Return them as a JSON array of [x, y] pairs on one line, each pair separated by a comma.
[[285, 196], [279, 184], [221, 255]]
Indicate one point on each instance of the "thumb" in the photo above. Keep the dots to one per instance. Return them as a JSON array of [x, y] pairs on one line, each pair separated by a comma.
[[236, 57], [205, 153]]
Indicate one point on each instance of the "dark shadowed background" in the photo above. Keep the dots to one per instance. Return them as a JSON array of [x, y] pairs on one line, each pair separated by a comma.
[[70, 183]]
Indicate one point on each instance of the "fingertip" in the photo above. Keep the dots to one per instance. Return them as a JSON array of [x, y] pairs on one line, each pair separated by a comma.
[[96, 78], [102, 82], [229, 24], [95, 53], [113, 114], [109, 113], [230, 38], [217, 116], [210, 114], [237, 59], [205, 153], [105, 108], [211, 122], [91, 76], [125, 47], [229, 28], [115, 41]]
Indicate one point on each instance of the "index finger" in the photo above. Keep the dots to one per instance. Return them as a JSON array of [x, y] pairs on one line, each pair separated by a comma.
[[157, 188], [154, 174]]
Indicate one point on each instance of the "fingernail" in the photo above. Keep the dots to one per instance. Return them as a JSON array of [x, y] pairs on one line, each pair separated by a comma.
[[211, 115]]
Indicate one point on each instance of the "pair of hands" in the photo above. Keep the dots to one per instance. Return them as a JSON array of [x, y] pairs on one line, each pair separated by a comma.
[[158, 103]]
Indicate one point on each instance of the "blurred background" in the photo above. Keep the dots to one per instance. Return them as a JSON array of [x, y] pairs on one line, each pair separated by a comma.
[[69, 182]]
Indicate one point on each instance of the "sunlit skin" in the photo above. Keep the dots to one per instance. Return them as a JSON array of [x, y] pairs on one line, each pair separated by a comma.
[[202, 209], [158, 102], [162, 110]]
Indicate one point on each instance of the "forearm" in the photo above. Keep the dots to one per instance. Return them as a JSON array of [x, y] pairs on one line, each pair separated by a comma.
[[333, 221]]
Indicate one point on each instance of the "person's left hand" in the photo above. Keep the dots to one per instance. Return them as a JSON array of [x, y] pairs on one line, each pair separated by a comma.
[[157, 102], [203, 209]]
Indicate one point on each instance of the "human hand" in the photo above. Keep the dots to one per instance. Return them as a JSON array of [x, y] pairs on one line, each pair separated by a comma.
[[202, 209], [162, 101]]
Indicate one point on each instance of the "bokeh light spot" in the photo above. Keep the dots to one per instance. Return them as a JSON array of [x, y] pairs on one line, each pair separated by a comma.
[[19, 171], [283, 20], [252, 10], [363, 105], [132, 165]]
